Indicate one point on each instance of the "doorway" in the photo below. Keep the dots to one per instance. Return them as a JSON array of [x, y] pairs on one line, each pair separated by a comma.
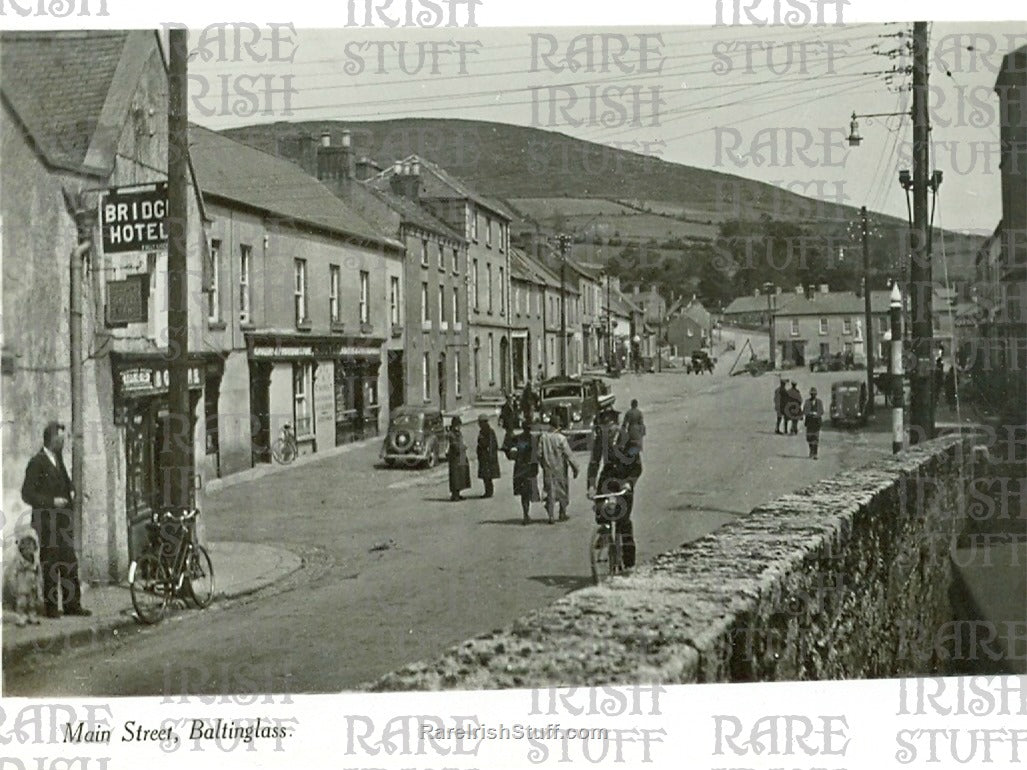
[[504, 363], [442, 381], [397, 386], [260, 412]]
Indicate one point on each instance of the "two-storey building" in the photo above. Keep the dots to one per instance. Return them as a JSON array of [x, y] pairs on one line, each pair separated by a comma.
[[822, 323], [306, 292]]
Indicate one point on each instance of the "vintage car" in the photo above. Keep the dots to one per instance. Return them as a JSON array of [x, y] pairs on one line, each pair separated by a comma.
[[833, 362], [577, 400], [416, 436], [848, 402], [700, 362]]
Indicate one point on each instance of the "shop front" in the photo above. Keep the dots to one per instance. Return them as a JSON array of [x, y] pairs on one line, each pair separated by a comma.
[[141, 407], [327, 389]]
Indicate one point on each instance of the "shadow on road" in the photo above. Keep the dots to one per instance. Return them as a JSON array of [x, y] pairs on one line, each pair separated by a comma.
[[511, 522], [567, 582]]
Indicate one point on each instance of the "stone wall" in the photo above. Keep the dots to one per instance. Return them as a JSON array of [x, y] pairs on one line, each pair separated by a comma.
[[845, 579]]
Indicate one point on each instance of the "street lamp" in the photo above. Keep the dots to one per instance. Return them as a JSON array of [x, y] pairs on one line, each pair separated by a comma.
[[854, 138]]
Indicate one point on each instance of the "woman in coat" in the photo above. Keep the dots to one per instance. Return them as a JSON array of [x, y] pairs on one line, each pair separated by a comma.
[[488, 454], [523, 450], [456, 456]]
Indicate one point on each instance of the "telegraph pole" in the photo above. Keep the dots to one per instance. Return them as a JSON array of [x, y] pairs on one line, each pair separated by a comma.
[[898, 385], [921, 402], [563, 304], [868, 311], [179, 443]]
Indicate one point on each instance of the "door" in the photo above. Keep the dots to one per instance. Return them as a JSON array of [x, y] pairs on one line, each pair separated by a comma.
[[504, 363], [260, 412], [442, 381], [139, 470]]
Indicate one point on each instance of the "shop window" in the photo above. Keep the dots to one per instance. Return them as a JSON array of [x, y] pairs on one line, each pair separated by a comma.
[[245, 260], [300, 290], [302, 375]]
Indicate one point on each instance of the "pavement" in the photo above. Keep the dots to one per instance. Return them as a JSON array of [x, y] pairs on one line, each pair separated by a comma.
[[239, 569]]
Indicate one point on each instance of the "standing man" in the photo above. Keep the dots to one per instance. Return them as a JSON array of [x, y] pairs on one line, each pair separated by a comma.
[[47, 488], [813, 412], [527, 404], [523, 450], [488, 454], [634, 425], [508, 415], [780, 402], [556, 456], [793, 408], [456, 456]]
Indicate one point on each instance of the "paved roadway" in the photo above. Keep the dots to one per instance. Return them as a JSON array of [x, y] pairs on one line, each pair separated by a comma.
[[396, 572]]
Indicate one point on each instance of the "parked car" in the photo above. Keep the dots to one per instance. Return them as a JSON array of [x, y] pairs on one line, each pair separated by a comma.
[[833, 362], [416, 436], [577, 400], [701, 362], [848, 402]]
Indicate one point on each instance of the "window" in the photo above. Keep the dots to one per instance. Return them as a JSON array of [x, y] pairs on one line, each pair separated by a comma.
[[301, 390], [502, 237], [442, 306], [213, 297], [488, 232], [492, 359], [456, 305], [300, 290], [502, 291], [823, 326], [882, 324], [442, 257], [691, 332], [425, 314], [424, 252], [846, 325], [245, 258], [456, 260], [333, 293], [426, 378], [795, 327], [474, 224], [394, 300], [365, 297], [457, 390], [474, 285], [488, 278]]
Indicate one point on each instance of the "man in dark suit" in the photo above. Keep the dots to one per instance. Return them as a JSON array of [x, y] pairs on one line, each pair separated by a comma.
[[47, 488]]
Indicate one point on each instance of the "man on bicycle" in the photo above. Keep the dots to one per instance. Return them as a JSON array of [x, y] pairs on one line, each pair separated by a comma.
[[616, 461]]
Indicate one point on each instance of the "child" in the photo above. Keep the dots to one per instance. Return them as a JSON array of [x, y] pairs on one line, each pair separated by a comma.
[[28, 579]]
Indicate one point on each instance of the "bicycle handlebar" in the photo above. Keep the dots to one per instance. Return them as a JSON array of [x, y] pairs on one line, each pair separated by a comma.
[[622, 493]]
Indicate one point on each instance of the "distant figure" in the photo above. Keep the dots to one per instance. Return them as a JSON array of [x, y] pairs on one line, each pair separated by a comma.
[[459, 467], [780, 401], [508, 415], [528, 405], [813, 412], [634, 425], [488, 455], [523, 449], [611, 466], [556, 456], [793, 408]]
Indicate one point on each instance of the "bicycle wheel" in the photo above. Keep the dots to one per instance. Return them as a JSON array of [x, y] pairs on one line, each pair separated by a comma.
[[598, 556], [283, 451], [200, 577], [150, 586]]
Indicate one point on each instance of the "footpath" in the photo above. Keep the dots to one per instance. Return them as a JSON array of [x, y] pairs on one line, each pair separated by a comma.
[[239, 569]]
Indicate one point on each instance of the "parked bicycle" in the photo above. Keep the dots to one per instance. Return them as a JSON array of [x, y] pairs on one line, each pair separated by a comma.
[[174, 566], [606, 546], [284, 450]]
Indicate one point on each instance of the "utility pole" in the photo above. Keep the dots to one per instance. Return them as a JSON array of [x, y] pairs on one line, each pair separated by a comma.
[[868, 312], [564, 240], [898, 385], [179, 453], [921, 402], [769, 288]]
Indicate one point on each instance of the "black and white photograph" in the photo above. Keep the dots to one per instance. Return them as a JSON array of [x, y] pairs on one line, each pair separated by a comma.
[[405, 355]]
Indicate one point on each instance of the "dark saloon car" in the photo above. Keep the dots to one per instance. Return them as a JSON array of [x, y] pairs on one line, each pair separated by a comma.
[[416, 436], [576, 400], [848, 402]]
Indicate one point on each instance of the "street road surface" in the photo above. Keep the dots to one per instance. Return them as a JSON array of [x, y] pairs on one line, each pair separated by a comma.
[[395, 572]]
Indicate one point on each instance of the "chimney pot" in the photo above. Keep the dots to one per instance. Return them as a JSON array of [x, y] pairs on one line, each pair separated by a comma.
[[346, 140], [397, 167], [406, 168], [415, 167], [326, 139]]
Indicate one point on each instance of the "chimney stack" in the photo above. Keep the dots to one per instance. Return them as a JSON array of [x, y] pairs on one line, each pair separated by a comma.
[[335, 162], [326, 139]]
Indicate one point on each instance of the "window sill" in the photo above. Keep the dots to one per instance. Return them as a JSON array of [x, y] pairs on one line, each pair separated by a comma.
[[304, 326], [337, 326], [397, 330], [458, 327], [425, 326], [444, 326], [216, 326], [366, 328]]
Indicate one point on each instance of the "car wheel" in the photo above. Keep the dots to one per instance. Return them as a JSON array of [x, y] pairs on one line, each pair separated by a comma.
[[433, 457], [389, 462]]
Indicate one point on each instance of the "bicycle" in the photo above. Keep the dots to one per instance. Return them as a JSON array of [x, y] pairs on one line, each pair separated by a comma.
[[284, 450], [606, 546], [174, 566]]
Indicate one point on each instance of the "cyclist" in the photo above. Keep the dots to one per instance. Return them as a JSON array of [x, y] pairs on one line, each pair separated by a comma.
[[616, 460]]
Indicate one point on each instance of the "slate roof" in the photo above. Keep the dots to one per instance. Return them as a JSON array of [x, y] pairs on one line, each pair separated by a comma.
[[750, 304], [832, 303], [57, 83], [413, 214], [239, 173]]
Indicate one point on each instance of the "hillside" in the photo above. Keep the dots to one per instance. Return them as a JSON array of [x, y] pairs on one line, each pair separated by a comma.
[[604, 195]]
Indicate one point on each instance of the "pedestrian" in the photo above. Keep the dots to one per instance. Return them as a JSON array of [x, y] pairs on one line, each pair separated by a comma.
[[780, 401], [523, 449], [508, 415], [793, 408], [456, 456], [47, 488], [634, 425], [527, 403], [555, 453], [488, 455], [813, 412]]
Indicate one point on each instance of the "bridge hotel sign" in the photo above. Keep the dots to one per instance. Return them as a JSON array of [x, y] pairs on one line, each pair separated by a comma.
[[133, 221]]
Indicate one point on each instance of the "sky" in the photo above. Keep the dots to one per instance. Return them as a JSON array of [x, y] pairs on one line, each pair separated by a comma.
[[771, 103]]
